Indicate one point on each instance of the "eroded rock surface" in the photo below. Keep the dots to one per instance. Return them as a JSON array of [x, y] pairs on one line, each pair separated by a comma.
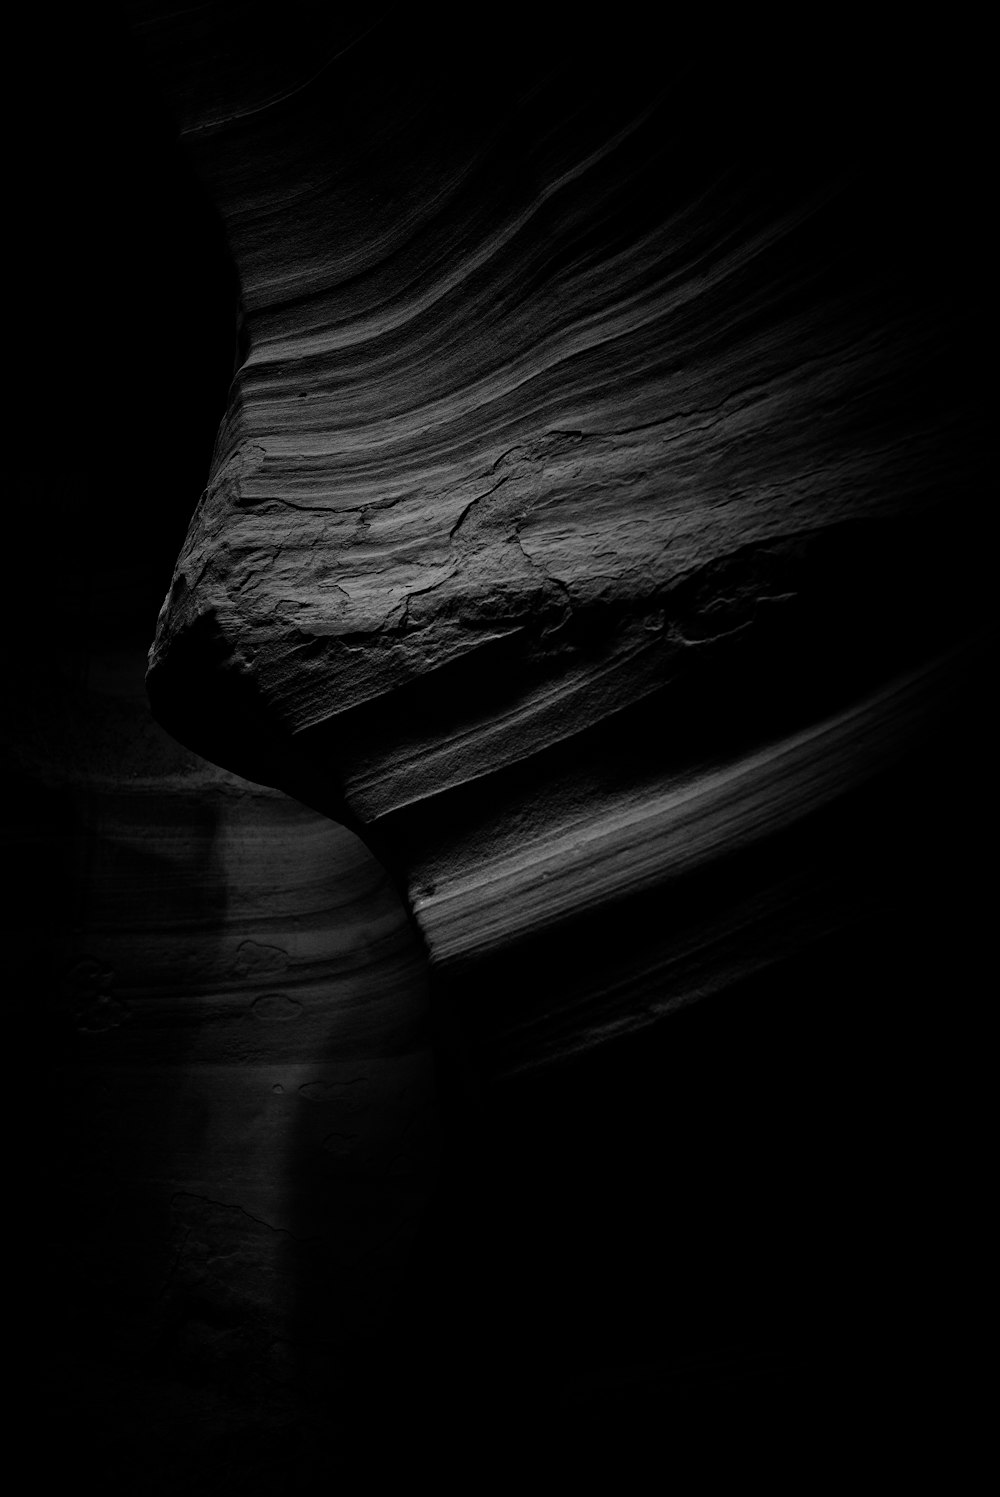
[[598, 491], [596, 526]]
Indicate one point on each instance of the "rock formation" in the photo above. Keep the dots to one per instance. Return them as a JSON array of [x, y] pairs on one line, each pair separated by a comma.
[[574, 519], [595, 529]]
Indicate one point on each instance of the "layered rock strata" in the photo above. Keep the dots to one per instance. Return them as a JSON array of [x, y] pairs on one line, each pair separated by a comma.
[[596, 527], [599, 438]]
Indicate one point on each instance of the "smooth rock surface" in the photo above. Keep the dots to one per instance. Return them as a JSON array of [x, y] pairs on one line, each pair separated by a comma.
[[242, 1129], [221, 1122]]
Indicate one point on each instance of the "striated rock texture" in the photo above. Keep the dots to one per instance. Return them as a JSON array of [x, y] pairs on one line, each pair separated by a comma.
[[597, 526], [598, 496]]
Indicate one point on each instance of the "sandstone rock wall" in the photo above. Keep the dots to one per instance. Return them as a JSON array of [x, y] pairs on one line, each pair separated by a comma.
[[598, 527], [600, 490]]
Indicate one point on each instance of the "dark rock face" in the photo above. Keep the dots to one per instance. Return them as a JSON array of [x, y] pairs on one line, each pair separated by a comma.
[[242, 1128], [221, 1123], [575, 518], [596, 529]]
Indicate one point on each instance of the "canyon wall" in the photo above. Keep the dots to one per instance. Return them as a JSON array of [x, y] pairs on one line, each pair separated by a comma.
[[584, 482], [574, 671]]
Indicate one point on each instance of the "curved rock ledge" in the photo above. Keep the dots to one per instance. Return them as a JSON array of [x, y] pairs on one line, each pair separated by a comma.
[[599, 488]]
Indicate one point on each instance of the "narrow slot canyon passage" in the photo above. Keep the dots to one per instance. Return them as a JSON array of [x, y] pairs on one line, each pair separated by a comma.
[[496, 754]]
